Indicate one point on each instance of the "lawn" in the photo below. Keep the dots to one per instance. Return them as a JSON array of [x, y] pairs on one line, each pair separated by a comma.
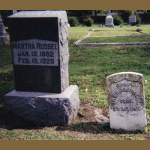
[[118, 34], [88, 68], [117, 39]]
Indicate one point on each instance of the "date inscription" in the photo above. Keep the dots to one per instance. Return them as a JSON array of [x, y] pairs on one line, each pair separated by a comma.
[[35, 52]]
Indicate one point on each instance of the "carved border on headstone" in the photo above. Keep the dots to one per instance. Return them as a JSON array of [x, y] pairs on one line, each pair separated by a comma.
[[125, 90]]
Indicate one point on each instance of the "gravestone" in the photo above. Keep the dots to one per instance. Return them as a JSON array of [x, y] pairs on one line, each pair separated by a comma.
[[109, 21], [100, 25], [132, 19], [39, 43], [14, 11], [3, 36], [126, 101]]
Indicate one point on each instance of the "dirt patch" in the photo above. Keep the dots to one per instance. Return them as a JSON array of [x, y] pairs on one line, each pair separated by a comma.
[[86, 112]]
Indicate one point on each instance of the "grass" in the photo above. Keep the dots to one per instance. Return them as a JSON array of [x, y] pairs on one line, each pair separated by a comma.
[[145, 28], [88, 68], [6, 71], [100, 33], [117, 39], [110, 33]]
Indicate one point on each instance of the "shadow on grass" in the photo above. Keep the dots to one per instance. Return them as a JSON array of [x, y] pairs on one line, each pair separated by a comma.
[[6, 83], [94, 128], [11, 121]]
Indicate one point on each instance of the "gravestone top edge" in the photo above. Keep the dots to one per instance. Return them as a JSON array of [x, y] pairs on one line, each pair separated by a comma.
[[126, 73], [109, 16], [65, 94], [38, 14], [132, 15], [128, 76]]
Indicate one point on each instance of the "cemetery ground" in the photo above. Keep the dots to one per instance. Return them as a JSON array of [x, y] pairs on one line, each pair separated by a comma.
[[119, 34], [88, 68]]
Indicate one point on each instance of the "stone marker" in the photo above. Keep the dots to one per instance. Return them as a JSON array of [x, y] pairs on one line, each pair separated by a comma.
[[132, 19], [126, 101], [3, 36], [100, 25], [39, 42], [109, 21], [128, 25]]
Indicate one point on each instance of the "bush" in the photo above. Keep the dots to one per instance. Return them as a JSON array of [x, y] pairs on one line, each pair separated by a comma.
[[73, 21], [117, 20], [88, 21], [138, 19]]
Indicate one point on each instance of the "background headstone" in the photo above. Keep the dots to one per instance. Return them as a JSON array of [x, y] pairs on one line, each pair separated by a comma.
[[39, 43], [100, 25], [109, 21], [3, 36], [132, 19], [126, 101]]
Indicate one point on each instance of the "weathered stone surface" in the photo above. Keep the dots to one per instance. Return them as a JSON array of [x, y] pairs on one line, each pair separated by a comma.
[[3, 36], [126, 101], [132, 18], [42, 95], [109, 21], [44, 109], [36, 69]]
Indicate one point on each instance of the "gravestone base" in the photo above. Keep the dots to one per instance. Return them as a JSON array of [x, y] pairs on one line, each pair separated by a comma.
[[109, 25], [132, 122], [44, 109], [132, 23], [3, 40]]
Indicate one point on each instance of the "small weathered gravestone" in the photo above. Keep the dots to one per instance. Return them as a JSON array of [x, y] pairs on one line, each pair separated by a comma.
[[100, 25], [39, 43], [132, 19], [3, 36], [126, 101], [109, 21]]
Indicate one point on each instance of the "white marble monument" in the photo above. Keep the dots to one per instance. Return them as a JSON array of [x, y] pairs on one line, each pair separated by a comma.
[[132, 19], [109, 21], [126, 101]]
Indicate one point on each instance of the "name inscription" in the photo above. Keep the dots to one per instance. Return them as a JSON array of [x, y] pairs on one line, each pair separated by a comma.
[[35, 52], [126, 97]]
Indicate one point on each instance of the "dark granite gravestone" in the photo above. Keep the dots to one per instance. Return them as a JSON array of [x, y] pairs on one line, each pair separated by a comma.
[[36, 47], [3, 36], [39, 44]]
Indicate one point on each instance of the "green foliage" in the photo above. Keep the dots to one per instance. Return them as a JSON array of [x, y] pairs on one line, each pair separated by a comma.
[[125, 12], [101, 11], [138, 19], [118, 20], [88, 21], [73, 21]]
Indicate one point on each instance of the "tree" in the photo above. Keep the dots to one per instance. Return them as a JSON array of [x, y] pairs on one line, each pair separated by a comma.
[[100, 11], [125, 14]]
